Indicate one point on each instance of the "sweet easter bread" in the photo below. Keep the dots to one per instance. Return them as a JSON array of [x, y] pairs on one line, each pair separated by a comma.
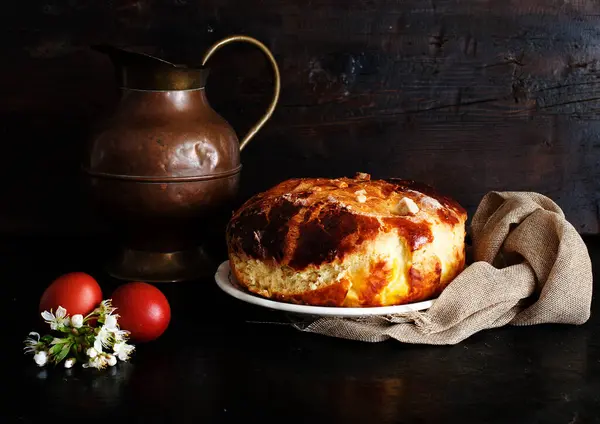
[[347, 242]]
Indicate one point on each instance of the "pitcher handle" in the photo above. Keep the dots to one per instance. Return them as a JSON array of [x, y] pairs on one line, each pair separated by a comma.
[[267, 52]]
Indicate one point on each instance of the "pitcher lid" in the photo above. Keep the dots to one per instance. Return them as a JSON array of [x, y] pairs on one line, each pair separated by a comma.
[[141, 71]]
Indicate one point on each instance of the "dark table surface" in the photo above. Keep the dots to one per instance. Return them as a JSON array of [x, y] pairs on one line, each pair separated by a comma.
[[216, 364]]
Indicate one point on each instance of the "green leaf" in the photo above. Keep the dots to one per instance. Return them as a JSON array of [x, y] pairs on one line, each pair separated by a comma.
[[54, 350], [88, 341], [47, 339], [63, 353]]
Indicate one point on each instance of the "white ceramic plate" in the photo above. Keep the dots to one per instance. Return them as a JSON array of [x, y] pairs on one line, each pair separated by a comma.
[[227, 282]]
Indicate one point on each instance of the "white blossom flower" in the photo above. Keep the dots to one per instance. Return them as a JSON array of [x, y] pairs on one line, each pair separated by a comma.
[[111, 360], [77, 320], [123, 350], [120, 335], [102, 339], [96, 340], [31, 343], [97, 345], [41, 358], [56, 321], [110, 323], [105, 308], [98, 362]]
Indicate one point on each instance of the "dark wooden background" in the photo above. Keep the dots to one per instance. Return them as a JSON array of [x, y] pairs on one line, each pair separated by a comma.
[[467, 95]]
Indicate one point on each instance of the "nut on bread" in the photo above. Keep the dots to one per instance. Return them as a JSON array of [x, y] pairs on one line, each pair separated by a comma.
[[348, 242]]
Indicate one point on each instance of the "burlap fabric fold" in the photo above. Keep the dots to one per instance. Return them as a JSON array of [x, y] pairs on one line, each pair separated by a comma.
[[530, 266]]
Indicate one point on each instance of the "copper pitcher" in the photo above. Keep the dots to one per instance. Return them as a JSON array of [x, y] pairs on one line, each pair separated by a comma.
[[164, 163]]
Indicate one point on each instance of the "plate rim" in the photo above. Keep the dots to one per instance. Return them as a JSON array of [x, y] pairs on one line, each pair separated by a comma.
[[223, 275]]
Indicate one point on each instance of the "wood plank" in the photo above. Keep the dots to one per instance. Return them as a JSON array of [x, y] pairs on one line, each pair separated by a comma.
[[467, 95]]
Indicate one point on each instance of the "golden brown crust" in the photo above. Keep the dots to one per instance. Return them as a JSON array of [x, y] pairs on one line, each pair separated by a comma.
[[332, 295], [375, 281], [303, 224], [424, 282], [309, 221]]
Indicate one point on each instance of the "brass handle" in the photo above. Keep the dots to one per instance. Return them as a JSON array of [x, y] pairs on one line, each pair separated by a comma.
[[269, 55]]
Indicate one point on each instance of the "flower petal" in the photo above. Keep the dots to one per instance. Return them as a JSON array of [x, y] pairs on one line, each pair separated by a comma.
[[104, 336], [61, 312], [111, 360], [77, 320], [120, 335], [41, 358], [48, 316], [111, 323]]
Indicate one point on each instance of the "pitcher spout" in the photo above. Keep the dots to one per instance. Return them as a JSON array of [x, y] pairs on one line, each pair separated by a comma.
[[140, 71]]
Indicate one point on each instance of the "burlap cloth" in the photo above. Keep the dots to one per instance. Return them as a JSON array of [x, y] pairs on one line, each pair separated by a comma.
[[530, 266]]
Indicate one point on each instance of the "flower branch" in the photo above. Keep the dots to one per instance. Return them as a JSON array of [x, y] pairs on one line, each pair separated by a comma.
[[74, 339]]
